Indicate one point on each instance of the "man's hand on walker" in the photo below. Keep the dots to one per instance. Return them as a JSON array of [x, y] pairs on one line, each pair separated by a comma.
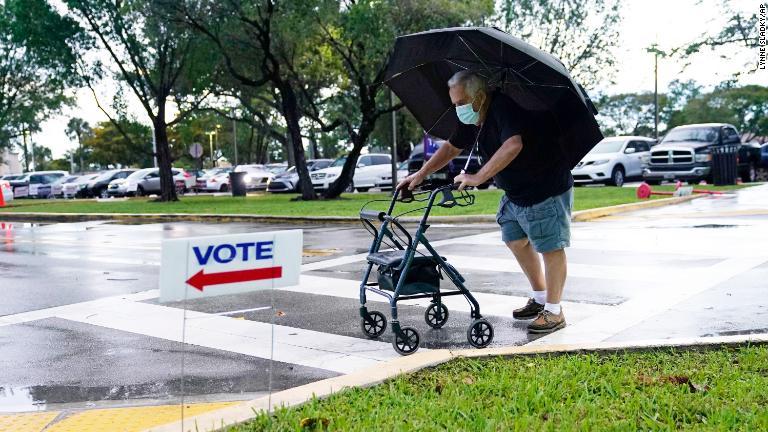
[[467, 180], [411, 181]]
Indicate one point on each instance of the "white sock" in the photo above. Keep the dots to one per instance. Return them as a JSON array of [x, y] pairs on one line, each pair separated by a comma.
[[553, 307], [540, 297]]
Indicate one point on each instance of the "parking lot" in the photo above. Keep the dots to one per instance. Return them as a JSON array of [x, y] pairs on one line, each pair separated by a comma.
[[80, 324]]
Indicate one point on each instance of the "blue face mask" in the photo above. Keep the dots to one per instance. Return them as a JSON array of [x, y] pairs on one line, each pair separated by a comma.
[[467, 115]]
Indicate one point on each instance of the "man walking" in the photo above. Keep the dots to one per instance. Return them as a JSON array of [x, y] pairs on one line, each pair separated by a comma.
[[535, 210]]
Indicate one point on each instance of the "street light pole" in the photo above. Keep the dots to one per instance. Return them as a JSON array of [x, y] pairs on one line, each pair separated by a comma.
[[210, 144], [656, 95], [394, 142], [218, 128]]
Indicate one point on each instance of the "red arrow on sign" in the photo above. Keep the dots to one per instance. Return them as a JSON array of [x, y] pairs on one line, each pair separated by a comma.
[[201, 280]]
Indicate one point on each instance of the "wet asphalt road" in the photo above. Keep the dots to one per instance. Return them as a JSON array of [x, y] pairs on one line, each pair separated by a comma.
[[693, 270]]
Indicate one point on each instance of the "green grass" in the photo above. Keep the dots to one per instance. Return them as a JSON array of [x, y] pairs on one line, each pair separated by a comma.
[[724, 389], [281, 205]]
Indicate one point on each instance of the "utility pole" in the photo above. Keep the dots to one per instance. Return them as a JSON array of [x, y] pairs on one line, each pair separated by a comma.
[[234, 135], [654, 49], [394, 142]]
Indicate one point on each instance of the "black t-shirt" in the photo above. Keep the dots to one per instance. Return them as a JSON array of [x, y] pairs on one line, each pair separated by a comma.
[[538, 172]]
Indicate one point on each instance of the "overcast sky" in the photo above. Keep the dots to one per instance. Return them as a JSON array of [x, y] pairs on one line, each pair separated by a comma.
[[670, 23]]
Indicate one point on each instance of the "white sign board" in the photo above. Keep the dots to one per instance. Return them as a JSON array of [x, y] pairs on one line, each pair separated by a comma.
[[218, 265]]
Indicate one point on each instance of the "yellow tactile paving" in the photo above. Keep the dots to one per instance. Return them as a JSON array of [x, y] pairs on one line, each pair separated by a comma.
[[26, 422], [129, 419]]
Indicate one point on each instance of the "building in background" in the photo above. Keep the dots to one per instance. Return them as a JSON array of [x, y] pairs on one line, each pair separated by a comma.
[[9, 162]]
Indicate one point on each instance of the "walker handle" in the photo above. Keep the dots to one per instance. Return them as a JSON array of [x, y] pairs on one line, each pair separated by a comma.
[[372, 215]]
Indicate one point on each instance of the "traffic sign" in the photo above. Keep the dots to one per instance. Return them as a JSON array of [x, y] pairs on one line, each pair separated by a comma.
[[196, 150], [229, 264]]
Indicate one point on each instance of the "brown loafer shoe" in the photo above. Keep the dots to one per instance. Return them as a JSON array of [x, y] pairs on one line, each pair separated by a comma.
[[530, 310], [547, 322]]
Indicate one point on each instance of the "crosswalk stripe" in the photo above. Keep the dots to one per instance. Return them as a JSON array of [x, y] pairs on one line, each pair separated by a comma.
[[499, 305], [342, 354]]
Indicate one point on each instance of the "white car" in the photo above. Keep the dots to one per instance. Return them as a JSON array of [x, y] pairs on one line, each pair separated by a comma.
[[5, 189], [218, 182], [74, 188], [256, 176], [385, 181], [214, 180], [613, 160], [288, 180], [57, 187], [370, 169], [147, 181]]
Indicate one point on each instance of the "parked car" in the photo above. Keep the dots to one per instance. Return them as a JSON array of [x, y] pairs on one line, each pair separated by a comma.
[[129, 185], [19, 185], [212, 180], [6, 190], [369, 169], [277, 168], [685, 153], [97, 188], [613, 161], [75, 188], [39, 182], [446, 174], [57, 187], [256, 176], [764, 155], [147, 181], [385, 181], [288, 180]]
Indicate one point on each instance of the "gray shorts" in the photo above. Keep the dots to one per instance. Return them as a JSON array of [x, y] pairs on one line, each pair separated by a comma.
[[547, 225]]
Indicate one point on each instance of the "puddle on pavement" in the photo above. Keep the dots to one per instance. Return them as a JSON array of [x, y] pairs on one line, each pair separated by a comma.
[[738, 332], [715, 226], [41, 397]]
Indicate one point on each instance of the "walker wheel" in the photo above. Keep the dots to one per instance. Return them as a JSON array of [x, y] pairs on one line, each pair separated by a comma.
[[408, 343], [436, 315], [480, 333], [376, 327]]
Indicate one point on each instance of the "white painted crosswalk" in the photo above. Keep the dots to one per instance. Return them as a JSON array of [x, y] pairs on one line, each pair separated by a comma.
[[711, 257]]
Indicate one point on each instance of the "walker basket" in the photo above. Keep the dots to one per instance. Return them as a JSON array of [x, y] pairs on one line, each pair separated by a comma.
[[422, 278]]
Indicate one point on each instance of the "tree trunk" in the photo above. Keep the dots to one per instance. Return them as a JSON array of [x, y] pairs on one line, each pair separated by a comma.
[[348, 171], [292, 117], [164, 160], [288, 149]]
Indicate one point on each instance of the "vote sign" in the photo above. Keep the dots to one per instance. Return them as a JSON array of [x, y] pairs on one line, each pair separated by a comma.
[[229, 264]]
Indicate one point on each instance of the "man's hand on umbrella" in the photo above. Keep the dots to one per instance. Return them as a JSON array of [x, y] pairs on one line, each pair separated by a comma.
[[411, 181], [467, 180]]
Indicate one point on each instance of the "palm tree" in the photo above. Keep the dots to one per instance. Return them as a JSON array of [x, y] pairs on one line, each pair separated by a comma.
[[78, 129]]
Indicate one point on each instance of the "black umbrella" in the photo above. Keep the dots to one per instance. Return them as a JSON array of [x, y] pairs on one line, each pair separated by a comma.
[[422, 64]]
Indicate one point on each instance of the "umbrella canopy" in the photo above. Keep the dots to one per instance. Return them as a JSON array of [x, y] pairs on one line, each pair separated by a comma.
[[422, 64]]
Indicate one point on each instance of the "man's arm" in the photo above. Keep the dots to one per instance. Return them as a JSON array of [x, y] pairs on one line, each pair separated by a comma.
[[503, 157], [442, 156]]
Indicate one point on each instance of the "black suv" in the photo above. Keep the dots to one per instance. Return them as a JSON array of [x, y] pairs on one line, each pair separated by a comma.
[[685, 153], [446, 174]]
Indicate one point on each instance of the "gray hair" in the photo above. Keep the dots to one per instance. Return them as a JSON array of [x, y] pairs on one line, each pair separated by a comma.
[[471, 82]]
